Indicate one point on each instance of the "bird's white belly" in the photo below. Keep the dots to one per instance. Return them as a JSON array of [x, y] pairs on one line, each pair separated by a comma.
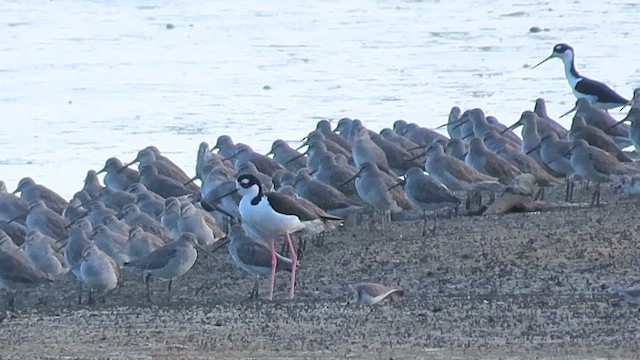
[[265, 220]]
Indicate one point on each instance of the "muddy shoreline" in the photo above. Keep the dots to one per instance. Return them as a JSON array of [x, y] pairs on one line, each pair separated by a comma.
[[527, 285]]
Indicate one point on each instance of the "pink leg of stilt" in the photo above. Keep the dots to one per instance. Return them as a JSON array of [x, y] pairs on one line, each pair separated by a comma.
[[274, 263], [294, 265]]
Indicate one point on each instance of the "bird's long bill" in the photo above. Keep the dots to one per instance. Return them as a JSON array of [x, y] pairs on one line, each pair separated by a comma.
[[191, 180], [563, 155], [224, 196], [543, 61], [304, 143], [459, 123], [349, 180], [296, 157], [415, 157], [569, 112], [129, 163], [515, 125], [18, 217], [535, 148], [451, 123], [104, 169], [220, 243], [201, 248], [396, 185], [467, 136], [614, 125]]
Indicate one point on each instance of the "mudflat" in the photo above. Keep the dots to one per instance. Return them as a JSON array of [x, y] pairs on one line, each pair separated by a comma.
[[522, 285]]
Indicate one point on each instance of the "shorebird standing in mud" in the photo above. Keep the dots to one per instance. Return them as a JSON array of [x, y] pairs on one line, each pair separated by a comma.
[[252, 255], [168, 262], [270, 214], [427, 194]]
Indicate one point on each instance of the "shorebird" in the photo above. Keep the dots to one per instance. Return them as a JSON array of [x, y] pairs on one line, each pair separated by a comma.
[[269, 214], [117, 176], [427, 194], [630, 295], [600, 94], [111, 243], [489, 163], [30, 191], [17, 273], [46, 220], [540, 108], [325, 196], [192, 221], [115, 199], [132, 215], [151, 205], [596, 165], [168, 262], [16, 231], [162, 185], [92, 184], [634, 117], [555, 153], [78, 240], [164, 167], [141, 243], [595, 137], [604, 121], [11, 206], [373, 188], [372, 293], [264, 164], [455, 174], [325, 128], [365, 150], [286, 156], [331, 173], [39, 251], [331, 146], [98, 271], [253, 256]]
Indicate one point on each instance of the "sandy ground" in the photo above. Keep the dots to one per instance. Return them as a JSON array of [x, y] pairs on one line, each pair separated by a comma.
[[534, 285]]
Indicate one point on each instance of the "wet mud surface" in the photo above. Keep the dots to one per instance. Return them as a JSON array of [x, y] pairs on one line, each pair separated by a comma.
[[527, 285]]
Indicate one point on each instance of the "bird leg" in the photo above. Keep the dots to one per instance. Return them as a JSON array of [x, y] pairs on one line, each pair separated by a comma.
[[169, 289], [147, 280], [254, 294], [435, 222], [274, 263], [90, 301], [11, 300], [424, 223], [294, 265], [79, 292]]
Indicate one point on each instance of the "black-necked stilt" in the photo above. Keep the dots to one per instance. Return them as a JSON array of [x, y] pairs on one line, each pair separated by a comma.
[[270, 214], [600, 94]]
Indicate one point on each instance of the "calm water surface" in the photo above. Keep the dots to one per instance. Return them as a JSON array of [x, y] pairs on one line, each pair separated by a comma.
[[83, 81]]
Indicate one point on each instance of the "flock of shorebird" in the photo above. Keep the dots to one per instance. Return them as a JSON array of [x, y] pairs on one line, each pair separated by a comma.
[[155, 220]]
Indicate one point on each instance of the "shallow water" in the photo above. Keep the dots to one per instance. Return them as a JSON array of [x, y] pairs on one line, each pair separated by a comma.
[[82, 81]]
